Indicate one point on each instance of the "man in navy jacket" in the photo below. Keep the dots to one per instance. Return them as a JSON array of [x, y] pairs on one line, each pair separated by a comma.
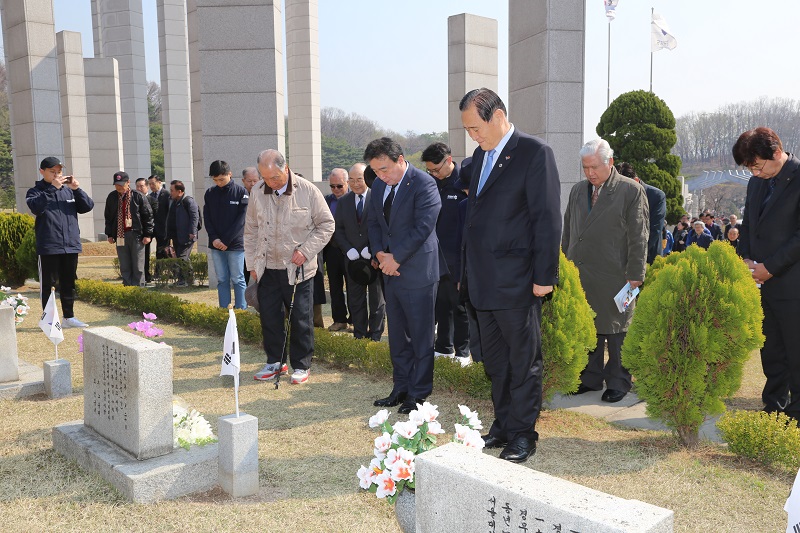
[[224, 212], [403, 209], [183, 223], [55, 201]]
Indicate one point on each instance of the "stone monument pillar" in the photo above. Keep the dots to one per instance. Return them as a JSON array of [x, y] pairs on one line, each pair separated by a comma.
[[545, 78], [175, 115], [74, 122], [302, 71], [119, 33], [471, 64], [105, 129], [29, 41]]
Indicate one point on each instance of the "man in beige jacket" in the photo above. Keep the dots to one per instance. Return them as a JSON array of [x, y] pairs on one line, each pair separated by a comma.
[[287, 224]]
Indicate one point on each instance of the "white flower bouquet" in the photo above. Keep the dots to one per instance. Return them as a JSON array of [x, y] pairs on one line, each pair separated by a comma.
[[392, 468], [190, 428], [19, 303]]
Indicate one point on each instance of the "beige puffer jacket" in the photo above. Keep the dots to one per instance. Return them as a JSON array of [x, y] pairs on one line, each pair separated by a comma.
[[277, 226]]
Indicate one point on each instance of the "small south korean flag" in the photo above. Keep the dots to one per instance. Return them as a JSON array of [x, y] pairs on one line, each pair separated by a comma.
[[50, 323], [792, 507], [230, 349]]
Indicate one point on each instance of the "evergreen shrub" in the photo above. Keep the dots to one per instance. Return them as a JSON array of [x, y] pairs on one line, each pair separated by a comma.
[[697, 320], [769, 438], [26, 256], [13, 227]]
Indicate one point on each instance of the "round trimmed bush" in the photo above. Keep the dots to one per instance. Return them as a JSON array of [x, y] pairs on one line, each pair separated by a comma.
[[13, 227]]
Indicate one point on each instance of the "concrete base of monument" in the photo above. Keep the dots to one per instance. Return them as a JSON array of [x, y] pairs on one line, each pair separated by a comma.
[[30, 383], [160, 478]]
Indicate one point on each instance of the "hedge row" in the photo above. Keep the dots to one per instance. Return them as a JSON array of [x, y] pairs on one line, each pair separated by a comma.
[[340, 351]]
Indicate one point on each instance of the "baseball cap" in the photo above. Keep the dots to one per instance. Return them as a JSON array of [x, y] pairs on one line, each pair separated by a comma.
[[121, 177], [50, 162]]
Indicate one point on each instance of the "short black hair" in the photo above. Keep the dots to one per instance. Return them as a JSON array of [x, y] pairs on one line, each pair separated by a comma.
[[756, 143], [140, 179], [486, 103], [435, 153], [178, 185], [383, 146], [155, 177], [626, 169], [219, 168]]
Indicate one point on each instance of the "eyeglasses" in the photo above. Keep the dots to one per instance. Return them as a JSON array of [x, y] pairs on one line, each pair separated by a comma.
[[754, 169], [337, 186], [437, 170]]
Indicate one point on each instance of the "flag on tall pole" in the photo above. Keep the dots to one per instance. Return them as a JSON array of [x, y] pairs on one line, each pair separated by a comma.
[[50, 323], [230, 357], [660, 35], [611, 6]]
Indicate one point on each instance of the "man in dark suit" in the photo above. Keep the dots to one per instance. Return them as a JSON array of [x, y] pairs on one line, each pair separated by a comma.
[[657, 203], [452, 323], [713, 228], [334, 256], [161, 194], [511, 251], [771, 248], [403, 208], [141, 186], [352, 236]]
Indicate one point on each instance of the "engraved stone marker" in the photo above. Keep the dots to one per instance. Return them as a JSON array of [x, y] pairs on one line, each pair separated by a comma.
[[9, 361], [128, 391]]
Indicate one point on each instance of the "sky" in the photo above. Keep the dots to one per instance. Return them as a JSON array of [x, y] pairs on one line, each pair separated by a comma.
[[387, 60]]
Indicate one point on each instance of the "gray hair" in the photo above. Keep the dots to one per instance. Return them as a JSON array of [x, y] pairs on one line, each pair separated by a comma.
[[599, 147], [342, 173], [271, 157], [358, 167], [249, 170]]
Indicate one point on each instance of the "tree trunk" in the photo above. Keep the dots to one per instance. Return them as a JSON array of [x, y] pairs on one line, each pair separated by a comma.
[[689, 436]]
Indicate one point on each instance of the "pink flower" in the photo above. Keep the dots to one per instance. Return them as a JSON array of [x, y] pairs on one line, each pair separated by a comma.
[[80, 343], [132, 325], [149, 316], [386, 485], [153, 332]]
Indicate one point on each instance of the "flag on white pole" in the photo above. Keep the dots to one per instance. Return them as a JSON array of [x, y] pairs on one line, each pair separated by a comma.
[[230, 357], [660, 36], [50, 323], [611, 6]]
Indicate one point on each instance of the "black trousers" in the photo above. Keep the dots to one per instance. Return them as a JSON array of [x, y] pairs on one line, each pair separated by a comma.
[[780, 356], [183, 251], [452, 322], [613, 373], [511, 344], [64, 268], [474, 333], [148, 277], [334, 266], [275, 295], [368, 321]]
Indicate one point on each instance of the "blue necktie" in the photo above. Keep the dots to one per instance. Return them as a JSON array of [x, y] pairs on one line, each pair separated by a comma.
[[487, 168], [360, 207]]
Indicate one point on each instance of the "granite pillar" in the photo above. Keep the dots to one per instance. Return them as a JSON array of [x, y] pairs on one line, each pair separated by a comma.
[[119, 33], [471, 64], [545, 78], [74, 121], [104, 118], [173, 48], [302, 71], [29, 41]]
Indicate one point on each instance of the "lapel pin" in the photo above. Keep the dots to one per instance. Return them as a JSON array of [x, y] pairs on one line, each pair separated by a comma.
[[500, 165], [508, 157]]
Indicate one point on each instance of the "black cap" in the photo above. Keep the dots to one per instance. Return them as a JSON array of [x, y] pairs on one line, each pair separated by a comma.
[[361, 271], [50, 162], [121, 177]]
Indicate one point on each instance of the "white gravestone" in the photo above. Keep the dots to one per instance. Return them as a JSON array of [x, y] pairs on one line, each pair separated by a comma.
[[128, 391], [9, 359]]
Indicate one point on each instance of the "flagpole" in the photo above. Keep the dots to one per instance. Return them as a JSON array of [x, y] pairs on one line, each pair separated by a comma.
[[652, 10], [608, 89], [236, 392]]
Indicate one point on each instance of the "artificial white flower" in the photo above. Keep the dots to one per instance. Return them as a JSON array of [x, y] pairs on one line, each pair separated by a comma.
[[403, 471], [378, 418], [365, 477], [405, 429], [386, 485], [460, 433], [428, 411], [473, 439], [435, 428]]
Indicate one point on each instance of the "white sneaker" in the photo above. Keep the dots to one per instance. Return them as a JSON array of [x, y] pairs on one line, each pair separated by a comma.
[[465, 361], [73, 322], [440, 354], [299, 376], [270, 370]]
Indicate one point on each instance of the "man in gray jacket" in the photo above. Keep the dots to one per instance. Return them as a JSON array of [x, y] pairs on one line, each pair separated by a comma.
[[287, 225]]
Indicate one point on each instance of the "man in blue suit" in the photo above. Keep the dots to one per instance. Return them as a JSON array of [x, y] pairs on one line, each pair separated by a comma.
[[404, 205], [511, 251]]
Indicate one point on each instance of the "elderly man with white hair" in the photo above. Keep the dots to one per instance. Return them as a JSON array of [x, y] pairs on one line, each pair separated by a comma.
[[606, 227]]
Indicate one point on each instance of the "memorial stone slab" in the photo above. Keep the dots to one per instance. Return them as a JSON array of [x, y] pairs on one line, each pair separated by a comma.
[[238, 454], [462, 489], [9, 359], [128, 391]]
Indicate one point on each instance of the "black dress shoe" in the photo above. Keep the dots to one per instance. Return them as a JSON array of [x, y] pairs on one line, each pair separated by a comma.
[[490, 441], [582, 389], [518, 450], [409, 404], [390, 401], [613, 396]]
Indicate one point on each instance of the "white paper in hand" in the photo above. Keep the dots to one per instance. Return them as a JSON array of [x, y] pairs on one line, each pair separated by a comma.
[[625, 297], [50, 323], [793, 507]]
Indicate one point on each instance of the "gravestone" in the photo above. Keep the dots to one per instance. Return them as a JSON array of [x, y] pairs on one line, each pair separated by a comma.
[[462, 489], [18, 379], [126, 436]]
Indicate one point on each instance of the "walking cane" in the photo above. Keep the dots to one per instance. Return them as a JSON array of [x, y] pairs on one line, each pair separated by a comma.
[[298, 274]]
